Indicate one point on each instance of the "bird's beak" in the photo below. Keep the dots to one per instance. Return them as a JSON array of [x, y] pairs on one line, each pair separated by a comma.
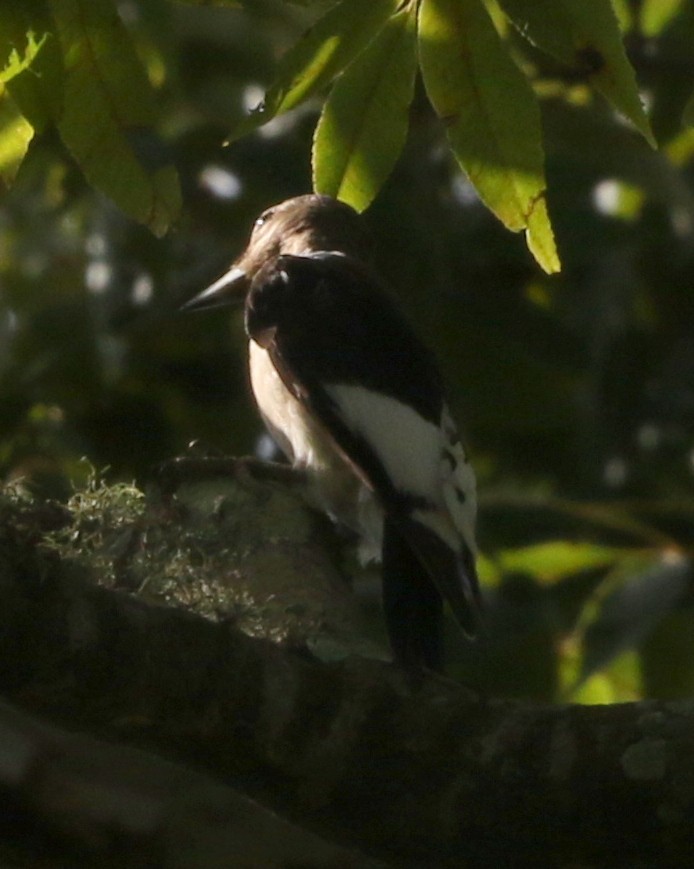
[[231, 287]]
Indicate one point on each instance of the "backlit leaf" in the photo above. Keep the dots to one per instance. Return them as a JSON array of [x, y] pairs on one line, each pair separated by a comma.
[[15, 134], [655, 15], [557, 559], [540, 237], [108, 111], [32, 61], [363, 126], [320, 55], [584, 34], [491, 114], [16, 62]]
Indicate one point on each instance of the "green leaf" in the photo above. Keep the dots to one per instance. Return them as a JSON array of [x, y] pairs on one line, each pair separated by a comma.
[[540, 237], [32, 61], [17, 62], [618, 682], [655, 15], [320, 55], [556, 559], [491, 113], [688, 113], [571, 134], [363, 126], [632, 601], [108, 111], [584, 34], [15, 134], [231, 3]]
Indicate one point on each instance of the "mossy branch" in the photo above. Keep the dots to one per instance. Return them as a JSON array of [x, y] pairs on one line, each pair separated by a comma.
[[416, 769]]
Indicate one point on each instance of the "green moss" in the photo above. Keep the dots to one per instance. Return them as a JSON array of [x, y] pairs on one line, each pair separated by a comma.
[[229, 547]]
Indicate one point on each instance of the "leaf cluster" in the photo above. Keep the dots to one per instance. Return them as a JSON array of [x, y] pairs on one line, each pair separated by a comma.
[[73, 63], [575, 392]]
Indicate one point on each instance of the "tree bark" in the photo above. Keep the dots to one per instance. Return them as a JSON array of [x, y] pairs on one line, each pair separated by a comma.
[[414, 769], [78, 801]]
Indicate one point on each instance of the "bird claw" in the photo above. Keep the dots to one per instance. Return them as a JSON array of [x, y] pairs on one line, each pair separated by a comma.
[[170, 475]]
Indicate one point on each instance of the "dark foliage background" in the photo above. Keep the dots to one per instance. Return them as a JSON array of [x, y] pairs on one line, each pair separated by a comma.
[[576, 392]]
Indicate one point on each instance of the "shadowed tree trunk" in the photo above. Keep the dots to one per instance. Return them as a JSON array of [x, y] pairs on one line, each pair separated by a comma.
[[413, 770]]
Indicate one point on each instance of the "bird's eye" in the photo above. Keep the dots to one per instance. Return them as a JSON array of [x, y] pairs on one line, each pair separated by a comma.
[[264, 217]]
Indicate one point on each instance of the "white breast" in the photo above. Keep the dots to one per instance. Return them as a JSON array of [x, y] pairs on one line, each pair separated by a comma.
[[288, 422], [334, 486]]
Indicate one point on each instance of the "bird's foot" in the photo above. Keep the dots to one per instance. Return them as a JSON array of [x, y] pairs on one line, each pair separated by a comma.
[[196, 467]]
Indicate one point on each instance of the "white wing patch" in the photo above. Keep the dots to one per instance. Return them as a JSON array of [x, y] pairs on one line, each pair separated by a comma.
[[458, 482], [408, 446], [419, 457]]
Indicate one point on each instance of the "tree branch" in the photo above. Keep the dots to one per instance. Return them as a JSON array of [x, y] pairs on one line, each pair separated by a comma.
[[85, 800], [414, 769]]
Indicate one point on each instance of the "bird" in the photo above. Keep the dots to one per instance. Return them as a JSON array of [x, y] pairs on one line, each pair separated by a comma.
[[355, 400]]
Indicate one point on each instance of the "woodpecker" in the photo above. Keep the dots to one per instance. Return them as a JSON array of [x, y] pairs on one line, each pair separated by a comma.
[[354, 399]]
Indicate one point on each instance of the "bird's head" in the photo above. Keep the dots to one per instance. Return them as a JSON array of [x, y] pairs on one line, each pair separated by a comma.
[[296, 226]]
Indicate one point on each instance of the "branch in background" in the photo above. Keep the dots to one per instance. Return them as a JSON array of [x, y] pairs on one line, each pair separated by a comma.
[[69, 797]]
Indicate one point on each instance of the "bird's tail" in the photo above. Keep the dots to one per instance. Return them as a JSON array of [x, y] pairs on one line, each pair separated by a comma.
[[452, 571], [412, 605], [420, 571]]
